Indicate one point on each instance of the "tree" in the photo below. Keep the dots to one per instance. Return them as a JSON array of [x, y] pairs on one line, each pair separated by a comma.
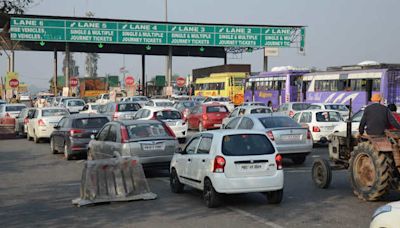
[[14, 6]]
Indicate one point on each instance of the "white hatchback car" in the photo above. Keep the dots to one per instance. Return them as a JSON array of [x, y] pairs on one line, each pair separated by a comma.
[[320, 123], [171, 116], [229, 162], [159, 103], [41, 122], [341, 108]]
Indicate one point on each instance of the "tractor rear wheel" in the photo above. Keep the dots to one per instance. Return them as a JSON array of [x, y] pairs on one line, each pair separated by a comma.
[[370, 172]]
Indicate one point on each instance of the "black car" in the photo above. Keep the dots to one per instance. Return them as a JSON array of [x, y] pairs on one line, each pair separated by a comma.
[[73, 133]]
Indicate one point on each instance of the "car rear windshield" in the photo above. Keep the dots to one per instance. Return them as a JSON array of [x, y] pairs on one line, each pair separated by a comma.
[[164, 104], [14, 108], [168, 115], [278, 121], [75, 103], [145, 130], [139, 99], [95, 107], [300, 106], [54, 112], [90, 123], [328, 117], [246, 144], [260, 110], [337, 107], [222, 99], [213, 109], [189, 104], [128, 107]]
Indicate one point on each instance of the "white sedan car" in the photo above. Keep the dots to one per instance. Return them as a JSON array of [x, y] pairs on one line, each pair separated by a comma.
[[90, 108], [229, 162], [320, 123], [341, 108], [386, 216], [171, 116], [41, 122]]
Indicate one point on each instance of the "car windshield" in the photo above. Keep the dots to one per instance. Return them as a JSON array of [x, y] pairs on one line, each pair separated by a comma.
[[357, 117], [328, 117], [189, 104], [90, 123], [260, 110], [139, 99], [314, 107], [337, 107], [54, 112], [213, 109], [164, 104], [246, 144], [300, 106], [221, 99], [75, 103], [145, 130], [278, 121], [168, 115], [128, 107], [106, 96], [15, 108]]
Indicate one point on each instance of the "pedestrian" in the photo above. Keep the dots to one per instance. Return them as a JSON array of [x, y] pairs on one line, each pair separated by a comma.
[[14, 99], [377, 118], [393, 109]]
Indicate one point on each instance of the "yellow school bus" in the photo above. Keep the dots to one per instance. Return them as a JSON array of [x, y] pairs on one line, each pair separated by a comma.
[[222, 84]]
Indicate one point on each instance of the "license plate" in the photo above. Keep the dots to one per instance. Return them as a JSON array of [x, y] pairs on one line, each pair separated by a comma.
[[291, 137], [251, 167], [172, 123], [328, 128], [217, 125], [153, 147], [128, 116]]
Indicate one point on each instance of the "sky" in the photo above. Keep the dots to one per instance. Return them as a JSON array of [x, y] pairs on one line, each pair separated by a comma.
[[338, 32]]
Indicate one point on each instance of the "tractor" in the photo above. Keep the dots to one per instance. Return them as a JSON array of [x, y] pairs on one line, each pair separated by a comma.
[[373, 162]]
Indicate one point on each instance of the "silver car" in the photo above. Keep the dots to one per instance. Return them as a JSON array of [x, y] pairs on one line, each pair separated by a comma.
[[245, 110], [11, 110], [120, 110], [74, 105], [291, 140], [22, 120], [152, 141]]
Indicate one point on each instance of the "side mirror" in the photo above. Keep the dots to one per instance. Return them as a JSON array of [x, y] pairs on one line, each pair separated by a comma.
[[179, 151], [93, 137], [57, 127]]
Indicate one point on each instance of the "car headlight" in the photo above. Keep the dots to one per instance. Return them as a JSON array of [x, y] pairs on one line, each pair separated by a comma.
[[381, 210]]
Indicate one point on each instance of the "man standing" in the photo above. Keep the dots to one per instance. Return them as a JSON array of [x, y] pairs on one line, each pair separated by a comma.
[[377, 118]]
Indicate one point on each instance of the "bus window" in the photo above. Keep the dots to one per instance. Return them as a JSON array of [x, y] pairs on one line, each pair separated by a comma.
[[376, 84]]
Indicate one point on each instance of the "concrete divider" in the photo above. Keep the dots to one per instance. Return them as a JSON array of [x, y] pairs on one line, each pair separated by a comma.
[[116, 179]]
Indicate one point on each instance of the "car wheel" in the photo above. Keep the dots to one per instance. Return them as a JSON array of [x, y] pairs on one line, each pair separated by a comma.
[[201, 127], [174, 183], [35, 138], [210, 196], [275, 197], [67, 153], [52, 148], [299, 160]]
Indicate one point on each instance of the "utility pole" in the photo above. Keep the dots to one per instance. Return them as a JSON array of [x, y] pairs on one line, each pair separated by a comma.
[[55, 73], [168, 59]]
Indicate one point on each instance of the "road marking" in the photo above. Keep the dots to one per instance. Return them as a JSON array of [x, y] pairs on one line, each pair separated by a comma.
[[255, 217]]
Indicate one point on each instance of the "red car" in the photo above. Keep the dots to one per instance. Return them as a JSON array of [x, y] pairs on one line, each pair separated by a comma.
[[207, 116]]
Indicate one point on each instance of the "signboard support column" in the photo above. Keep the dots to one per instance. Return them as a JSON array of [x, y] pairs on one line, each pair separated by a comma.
[[143, 75], [169, 71], [67, 70], [225, 59], [55, 73], [12, 61], [265, 65]]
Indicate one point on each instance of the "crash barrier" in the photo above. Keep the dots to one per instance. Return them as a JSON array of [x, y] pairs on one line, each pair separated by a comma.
[[115, 179], [7, 128]]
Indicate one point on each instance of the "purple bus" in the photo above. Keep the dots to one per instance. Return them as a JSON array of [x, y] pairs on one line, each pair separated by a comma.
[[275, 87], [359, 83]]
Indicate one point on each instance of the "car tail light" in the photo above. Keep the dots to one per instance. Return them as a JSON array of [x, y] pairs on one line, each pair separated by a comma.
[[316, 129], [169, 131], [205, 117], [308, 134], [186, 113], [219, 164], [124, 135], [270, 135], [115, 116], [41, 122], [278, 161], [75, 132], [291, 114], [26, 120]]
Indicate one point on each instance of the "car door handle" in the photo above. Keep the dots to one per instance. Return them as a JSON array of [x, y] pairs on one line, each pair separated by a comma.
[[204, 160]]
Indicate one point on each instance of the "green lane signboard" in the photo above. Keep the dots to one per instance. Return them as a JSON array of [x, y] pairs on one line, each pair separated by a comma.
[[117, 32]]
